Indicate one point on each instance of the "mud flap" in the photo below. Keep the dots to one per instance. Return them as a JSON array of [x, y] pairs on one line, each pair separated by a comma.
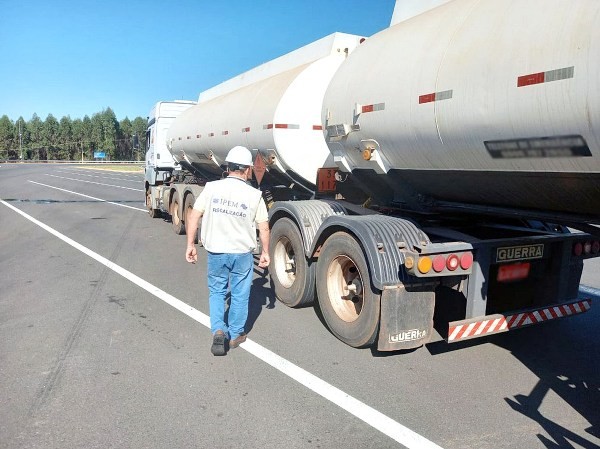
[[406, 317]]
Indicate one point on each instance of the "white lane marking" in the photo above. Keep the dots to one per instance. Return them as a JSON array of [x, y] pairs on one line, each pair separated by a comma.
[[88, 196], [92, 182], [362, 411]]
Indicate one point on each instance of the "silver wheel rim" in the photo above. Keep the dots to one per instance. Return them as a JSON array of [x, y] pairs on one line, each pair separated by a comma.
[[345, 288], [284, 262]]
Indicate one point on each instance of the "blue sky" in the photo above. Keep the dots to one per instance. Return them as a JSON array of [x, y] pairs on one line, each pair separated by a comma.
[[80, 57]]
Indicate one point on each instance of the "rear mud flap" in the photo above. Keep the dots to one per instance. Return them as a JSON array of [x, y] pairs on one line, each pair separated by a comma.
[[406, 317]]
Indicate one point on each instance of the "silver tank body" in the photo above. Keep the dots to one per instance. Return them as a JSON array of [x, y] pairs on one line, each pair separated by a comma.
[[274, 109], [477, 101]]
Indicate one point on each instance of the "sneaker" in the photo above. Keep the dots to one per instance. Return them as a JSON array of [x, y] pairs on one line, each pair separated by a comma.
[[218, 344], [237, 341]]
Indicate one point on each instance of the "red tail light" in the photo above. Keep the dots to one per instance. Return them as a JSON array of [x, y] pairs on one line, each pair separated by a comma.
[[439, 262], [595, 247], [466, 260], [578, 249]]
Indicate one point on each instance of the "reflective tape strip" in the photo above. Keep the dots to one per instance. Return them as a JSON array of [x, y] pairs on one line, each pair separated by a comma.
[[281, 126], [224, 133], [546, 77], [372, 108], [436, 96], [246, 130], [458, 330], [317, 128]]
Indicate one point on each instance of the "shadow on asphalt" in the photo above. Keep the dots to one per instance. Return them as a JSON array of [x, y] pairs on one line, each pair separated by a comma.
[[565, 356], [261, 295]]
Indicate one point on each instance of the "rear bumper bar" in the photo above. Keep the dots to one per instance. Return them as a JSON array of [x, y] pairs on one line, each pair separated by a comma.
[[494, 324]]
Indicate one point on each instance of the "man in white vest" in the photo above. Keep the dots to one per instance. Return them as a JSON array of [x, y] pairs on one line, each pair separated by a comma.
[[231, 210]]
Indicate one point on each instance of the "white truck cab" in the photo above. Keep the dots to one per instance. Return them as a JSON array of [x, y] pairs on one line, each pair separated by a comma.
[[159, 160]]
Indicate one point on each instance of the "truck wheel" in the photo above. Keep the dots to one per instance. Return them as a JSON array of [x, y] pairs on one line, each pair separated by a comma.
[[176, 220], [349, 304], [154, 213], [188, 205], [293, 277]]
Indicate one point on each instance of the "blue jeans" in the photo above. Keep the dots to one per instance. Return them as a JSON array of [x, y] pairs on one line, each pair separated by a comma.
[[234, 271]]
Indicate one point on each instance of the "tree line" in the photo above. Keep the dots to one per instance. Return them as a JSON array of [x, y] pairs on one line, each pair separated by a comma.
[[68, 139]]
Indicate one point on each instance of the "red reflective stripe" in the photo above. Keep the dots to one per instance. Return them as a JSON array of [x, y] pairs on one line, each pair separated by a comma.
[[450, 332], [459, 331], [427, 98], [317, 128], [510, 322], [522, 320], [368, 108], [573, 309], [280, 126], [487, 326], [463, 333], [528, 80], [513, 318]]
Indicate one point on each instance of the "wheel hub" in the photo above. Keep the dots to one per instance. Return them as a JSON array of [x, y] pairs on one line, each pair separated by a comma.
[[284, 262], [345, 287]]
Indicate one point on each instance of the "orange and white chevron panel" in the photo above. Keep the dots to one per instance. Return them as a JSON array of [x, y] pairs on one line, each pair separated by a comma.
[[462, 330]]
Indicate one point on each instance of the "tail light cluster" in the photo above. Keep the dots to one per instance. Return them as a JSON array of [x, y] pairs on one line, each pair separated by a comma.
[[586, 248], [440, 264]]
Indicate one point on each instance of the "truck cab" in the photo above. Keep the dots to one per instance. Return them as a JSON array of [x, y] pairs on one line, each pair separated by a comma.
[[159, 160]]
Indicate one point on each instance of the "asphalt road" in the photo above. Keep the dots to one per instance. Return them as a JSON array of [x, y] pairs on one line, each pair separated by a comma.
[[104, 344]]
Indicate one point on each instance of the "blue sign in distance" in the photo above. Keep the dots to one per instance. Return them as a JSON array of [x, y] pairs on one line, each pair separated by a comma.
[[99, 154]]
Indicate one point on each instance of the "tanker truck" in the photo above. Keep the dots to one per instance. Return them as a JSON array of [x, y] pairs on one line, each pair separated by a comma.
[[440, 178]]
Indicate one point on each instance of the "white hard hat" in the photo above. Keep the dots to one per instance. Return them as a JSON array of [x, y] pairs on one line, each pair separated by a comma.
[[239, 155]]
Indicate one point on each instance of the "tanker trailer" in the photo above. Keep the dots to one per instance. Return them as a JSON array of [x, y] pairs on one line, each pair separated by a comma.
[[464, 140], [275, 110], [419, 215]]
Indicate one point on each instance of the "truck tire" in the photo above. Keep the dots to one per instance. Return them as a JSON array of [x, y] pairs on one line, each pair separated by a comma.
[[188, 205], [176, 219], [154, 213], [292, 275], [349, 303]]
